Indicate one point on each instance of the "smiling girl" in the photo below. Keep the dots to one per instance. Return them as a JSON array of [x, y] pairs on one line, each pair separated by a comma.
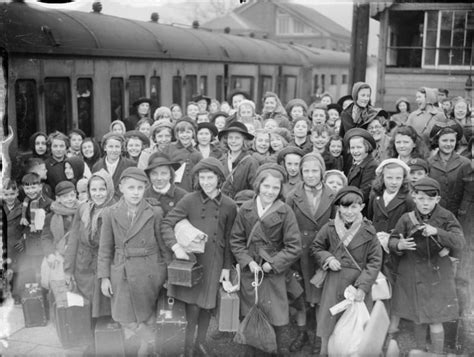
[[261, 149], [406, 144], [58, 144]]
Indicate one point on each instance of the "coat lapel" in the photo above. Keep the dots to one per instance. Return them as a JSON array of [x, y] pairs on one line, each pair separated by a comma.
[[326, 201], [397, 201], [302, 202], [144, 213], [380, 206], [360, 238]]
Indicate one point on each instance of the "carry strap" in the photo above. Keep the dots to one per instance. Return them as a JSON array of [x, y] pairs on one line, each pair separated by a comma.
[[257, 282], [352, 258], [276, 205], [231, 174], [413, 218]]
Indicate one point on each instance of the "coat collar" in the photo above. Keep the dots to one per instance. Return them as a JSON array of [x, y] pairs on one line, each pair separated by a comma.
[[364, 234], [452, 164], [144, 213], [301, 201], [399, 199]]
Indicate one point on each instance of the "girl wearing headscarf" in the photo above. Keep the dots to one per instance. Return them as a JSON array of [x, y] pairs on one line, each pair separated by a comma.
[[80, 259], [402, 108], [213, 213], [272, 108], [462, 115], [90, 151], [75, 169]]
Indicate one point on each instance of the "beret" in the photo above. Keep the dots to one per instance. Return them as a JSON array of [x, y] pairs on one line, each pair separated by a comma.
[[112, 135], [346, 190], [160, 159], [64, 187], [138, 134], [214, 116], [362, 133], [418, 163], [288, 150], [272, 166], [135, 173], [296, 102], [243, 196], [187, 120], [426, 184], [398, 162], [439, 130], [205, 125], [336, 107], [210, 163]]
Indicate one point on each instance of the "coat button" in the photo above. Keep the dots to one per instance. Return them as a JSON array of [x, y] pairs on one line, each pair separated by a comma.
[[171, 204]]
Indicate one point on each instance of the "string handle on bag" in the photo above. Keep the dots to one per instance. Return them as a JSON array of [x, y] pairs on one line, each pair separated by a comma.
[[257, 282]]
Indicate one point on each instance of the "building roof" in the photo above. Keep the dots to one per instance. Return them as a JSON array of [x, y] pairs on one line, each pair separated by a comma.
[[232, 20]]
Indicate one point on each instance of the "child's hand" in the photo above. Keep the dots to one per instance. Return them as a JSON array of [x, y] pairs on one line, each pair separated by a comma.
[[106, 287], [225, 273], [19, 246], [429, 230], [334, 264], [266, 267], [24, 222], [359, 295], [180, 253], [406, 243], [254, 267]]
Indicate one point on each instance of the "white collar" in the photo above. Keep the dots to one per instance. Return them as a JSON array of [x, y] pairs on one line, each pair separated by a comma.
[[164, 190], [261, 211]]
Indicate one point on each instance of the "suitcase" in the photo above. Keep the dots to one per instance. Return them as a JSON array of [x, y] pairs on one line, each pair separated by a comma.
[[184, 273], [73, 323], [170, 327], [34, 306], [109, 338], [228, 313]]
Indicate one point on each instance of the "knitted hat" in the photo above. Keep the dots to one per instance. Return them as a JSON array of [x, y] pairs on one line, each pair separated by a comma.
[[398, 162], [64, 187], [135, 173], [211, 164], [427, 184]]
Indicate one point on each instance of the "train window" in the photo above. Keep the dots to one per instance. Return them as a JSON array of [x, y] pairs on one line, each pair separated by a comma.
[[289, 88], [344, 79], [84, 105], [244, 83], [57, 97], [136, 89], [177, 90], [316, 84], [26, 103], [219, 88], [155, 92], [203, 84], [323, 82], [265, 85], [116, 99], [333, 79], [190, 87]]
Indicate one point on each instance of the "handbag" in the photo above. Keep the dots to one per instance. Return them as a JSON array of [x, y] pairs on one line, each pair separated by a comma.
[[381, 289], [318, 278]]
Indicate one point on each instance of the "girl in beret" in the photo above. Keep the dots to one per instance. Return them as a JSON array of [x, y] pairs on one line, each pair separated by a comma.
[[213, 213], [205, 137], [135, 142], [269, 249], [348, 248], [296, 108]]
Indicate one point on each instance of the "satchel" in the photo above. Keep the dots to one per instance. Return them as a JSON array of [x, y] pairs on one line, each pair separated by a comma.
[[318, 278], [381, 289]]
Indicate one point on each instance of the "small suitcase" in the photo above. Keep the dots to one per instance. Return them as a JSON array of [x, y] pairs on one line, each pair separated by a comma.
[[34, 306], [109, 338], [228, 314], [184, 273], [73, 323], [170, 327]]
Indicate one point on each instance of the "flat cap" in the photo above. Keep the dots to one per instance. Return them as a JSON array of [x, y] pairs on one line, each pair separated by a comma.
[[135, 173], [418, 163], [64, 187], [427, 184], [346, 190]]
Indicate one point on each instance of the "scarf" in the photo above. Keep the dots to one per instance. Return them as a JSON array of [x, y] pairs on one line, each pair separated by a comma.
[[347, 234], [59, 213], [90, 215]]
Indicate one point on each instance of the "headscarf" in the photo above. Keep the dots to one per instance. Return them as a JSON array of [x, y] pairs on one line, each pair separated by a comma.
[[77, 164], [32, 144], [279, 108]]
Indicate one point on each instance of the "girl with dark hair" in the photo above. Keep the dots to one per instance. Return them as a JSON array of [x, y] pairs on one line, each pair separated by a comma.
[[213, 213], [58, 144], [90, 152], [406, 144], [462, 115], [402, 110], [75, 169], [266, 241]]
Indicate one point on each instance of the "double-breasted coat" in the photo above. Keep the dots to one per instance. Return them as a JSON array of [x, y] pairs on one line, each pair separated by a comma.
[[278, 241], [424, 291], [184, 155], [450, 177], [366, 251], [214, 217], [80, 260], [309, 225], [134, 257], [121, 166], [362, 175], [14, 233], [167, 200], [244, 169]]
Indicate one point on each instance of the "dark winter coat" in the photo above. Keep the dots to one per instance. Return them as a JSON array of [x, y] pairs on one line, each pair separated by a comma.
[[278, 241], [168, 200], [309, 226], [450, 179], [424, 291], [134, 257], [466, 209], [55, 172], [348, 122], [307, 146], [362, 175], [365, 249], [14, 233], [214, 217], [121, 166], [243, 175], [189, 155]]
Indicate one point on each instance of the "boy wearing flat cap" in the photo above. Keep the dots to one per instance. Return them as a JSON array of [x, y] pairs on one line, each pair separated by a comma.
[[424, 291], [132, 257]]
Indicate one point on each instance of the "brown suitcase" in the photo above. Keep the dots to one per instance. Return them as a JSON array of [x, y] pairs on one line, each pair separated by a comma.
[[184, 273], [109, 338], [228, 314], [170, 327], [34, 306]]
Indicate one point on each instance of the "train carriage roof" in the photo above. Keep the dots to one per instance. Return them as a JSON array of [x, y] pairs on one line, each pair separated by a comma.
[[32, 29]]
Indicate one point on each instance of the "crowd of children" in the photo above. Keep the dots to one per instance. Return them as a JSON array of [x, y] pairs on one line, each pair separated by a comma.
[[340, 187]]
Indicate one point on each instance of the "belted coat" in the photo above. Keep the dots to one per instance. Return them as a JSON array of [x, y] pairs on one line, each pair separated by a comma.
[[134, 257], [309, 225]]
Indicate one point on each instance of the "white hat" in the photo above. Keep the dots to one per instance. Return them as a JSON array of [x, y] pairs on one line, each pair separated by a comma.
[[398, 162]]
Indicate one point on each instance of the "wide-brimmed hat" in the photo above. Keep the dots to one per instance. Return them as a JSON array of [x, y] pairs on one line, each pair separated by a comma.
[[346, 190], [210, 126], [211, 164], [236, 127], [160, 159], [137, 134], [286, 151], [362, 133], [141, 100]]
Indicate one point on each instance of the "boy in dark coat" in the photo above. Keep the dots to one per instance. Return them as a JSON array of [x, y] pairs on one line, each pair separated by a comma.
[[132, 257], [424, 291]]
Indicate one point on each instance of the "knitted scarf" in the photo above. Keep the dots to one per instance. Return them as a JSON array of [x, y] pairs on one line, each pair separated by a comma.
[[347, 234], [60, 212]]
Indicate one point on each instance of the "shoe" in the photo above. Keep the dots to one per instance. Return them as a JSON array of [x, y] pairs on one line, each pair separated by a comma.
[[298, 343], [317, 345]]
